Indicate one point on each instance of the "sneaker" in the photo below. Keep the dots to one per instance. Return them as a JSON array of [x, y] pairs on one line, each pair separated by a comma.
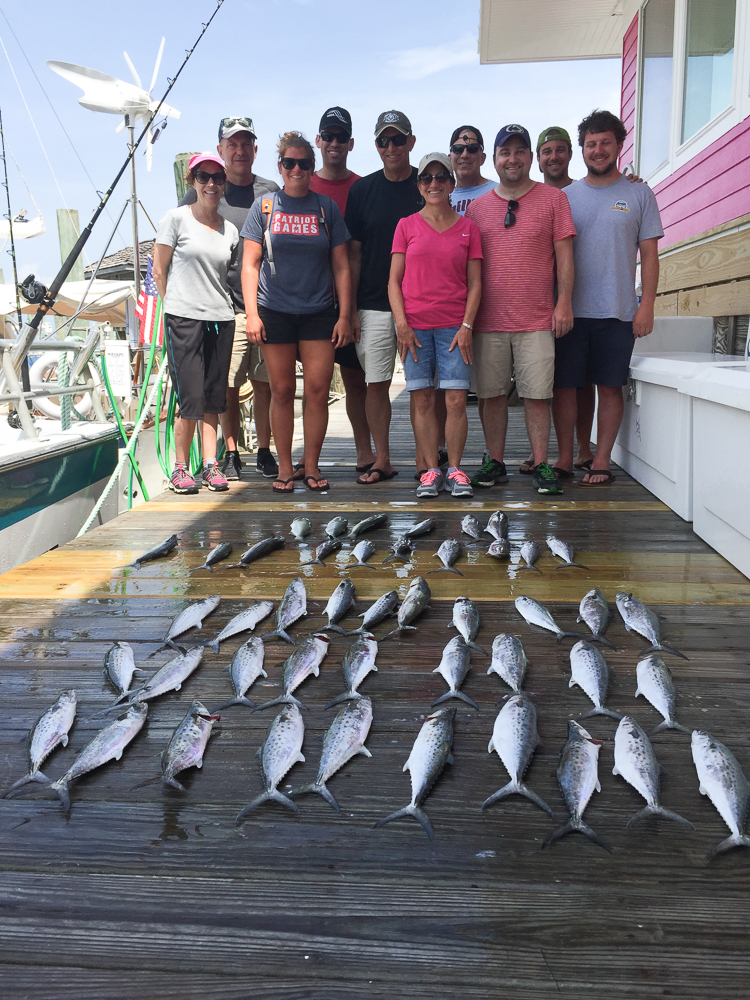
[[430, 484], [459, 484], [265, 464], [232, 467], [490, 472], [213, 479], [545, 480], [442, 458], [182, 482]]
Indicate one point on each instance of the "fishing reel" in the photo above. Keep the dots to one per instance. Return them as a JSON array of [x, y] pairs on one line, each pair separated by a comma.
[[32, 290]]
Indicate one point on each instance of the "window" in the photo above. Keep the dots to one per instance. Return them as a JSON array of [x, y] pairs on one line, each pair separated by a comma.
[[709, 61], [656, 94]]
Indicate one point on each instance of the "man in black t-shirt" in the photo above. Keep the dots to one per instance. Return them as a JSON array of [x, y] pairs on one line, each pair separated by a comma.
[[238, 149], [374, 207]]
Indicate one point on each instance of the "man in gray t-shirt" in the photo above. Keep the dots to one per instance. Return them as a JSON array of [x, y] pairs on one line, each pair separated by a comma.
[[615, 221]]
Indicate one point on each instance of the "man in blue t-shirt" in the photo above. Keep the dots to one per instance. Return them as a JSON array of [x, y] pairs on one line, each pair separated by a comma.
[[467, 156]]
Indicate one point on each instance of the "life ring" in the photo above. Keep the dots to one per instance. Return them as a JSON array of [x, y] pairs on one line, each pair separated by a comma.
[[38, 379]]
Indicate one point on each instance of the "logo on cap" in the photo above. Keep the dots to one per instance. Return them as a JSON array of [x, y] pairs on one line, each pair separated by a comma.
[[335, 113], [391, 117], [514, 128]]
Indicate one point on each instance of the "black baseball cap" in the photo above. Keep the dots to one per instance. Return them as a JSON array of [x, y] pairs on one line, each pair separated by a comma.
[[336, 118], [511, 131], [467, 128], [393, 119]]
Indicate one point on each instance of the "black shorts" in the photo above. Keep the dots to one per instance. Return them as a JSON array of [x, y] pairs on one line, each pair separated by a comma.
[[199, 354], [596, 351], [290, 328], [346, 357]]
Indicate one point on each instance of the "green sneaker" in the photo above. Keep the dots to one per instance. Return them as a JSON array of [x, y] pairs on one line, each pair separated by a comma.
[[545, 480], [489, 473]]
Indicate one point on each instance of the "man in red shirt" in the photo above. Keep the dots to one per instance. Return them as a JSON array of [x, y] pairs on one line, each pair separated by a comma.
[[527, 241]]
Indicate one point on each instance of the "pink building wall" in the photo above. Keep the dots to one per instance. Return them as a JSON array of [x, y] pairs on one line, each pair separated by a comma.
[[627, 93]]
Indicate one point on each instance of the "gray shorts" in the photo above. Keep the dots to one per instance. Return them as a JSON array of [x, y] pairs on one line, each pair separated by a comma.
[[376, 349], [247, 360]]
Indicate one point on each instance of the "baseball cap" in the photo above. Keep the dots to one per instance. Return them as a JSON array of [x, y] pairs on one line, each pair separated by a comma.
[[336, 118], [467, 128], [393, 119], [511, 131], [551, 133], [440, 158], [231, 126], [205, 158]]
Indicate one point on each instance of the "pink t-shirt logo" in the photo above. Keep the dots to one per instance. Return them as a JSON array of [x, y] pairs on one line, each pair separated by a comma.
[[294, 225]]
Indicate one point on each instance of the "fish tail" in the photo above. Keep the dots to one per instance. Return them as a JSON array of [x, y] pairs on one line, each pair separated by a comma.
[[320, 788], [670, 724], [587, 831], [60, 787], [27, 779], [401, 628], [356, 631], [336, 628], [570, 827], [212, 644], [278, 634], [283, 699], [473, 645], [344, 696], [274, 795], [363, 564], [659, 647], [736, 840], [174, 783], [570, 635], [602, 711], [445, 569], [466, 698], [518, 788], [395, 555], [657, 810], [567, 565], [444, 697], [239, 700], [600, 638], [411, 810]]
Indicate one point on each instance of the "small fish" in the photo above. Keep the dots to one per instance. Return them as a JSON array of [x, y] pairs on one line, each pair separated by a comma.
[[362, 552], [188, 744], [429, 755], [636, 762], [108, 744], [416, 600], [590, 672], [563, 551], [466, 620], [245, 621], [535, 613], [594, 611], [336, 526], [499, 549], [454, 666], [119, 668], [305, 660], [281, 750], [190, 617], [301, 528], [49, 731], [657, 687], [169, 677], [423, 528], [359, 661], [471, 527], [156, 553], [244, 670], [325, 549], [509, 661], [449, 551], [221, 551], [293, 607], [402, 549], [639, 618], [497, 526], [261, 548], [374, 521], [530, 554], [578, 775], [344, 739], [384, 607], [514, 740], [338, 604], [721, 778]]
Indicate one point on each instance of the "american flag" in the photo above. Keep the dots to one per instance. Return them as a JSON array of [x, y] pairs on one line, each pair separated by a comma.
[[146, 308]]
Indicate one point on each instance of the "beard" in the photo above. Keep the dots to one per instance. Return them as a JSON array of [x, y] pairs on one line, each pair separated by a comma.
[[602, 171]]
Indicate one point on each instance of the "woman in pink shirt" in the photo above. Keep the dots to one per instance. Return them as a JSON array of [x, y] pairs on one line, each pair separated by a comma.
[[434, 289]]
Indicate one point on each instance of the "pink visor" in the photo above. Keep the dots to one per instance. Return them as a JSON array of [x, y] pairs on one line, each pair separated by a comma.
[[205, 158]]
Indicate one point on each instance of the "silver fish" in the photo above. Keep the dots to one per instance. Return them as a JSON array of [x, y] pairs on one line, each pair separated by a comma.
[[514, 740], [169, 677], [281, 750], [509, 661], [721, 778], [471, 527], [530, 554], [657, 687], [362, 552], [325, 549], [449, 551], [578, 776], [244, 670], [293, 607], [344, 739], [163, 549], [594, 611], [639, 618], [384, 607], [336, 526], [466, 620], [301, 528], [108, 744], [49, 731], [374, 521], [416, 600], [221, 551], [563, 551], [188, 744], [119, 668], [454, 666], [190, 617], [338, 604], [499, 549], [359, 661], [590, 672], [423, 528], [305, 660], [245, 621], [402, 549], [257, 551], [636, 762], [535, 613], [497, 526], [429, 755]]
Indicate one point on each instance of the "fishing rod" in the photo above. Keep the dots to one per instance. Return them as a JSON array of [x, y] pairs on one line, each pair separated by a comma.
[[10, 224]]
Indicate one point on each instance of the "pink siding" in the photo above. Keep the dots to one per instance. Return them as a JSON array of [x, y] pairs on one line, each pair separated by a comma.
[[627, 99]]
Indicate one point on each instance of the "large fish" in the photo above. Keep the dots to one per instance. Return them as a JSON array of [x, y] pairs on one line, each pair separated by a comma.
[[325, 549], [384, 607], [454, 666], [471, 527], [416, 600], [281, 750], [449, 551], [49, 731], [578, 775], [362, 552], [636, 762], [509, 660], [293, 607], [169, 677], [535, 613], [108, 744], [119, 668], [245, 621], [244, 670], [563, 551], [257, 551], [188, 744], [529, 554], [302, 662], [594, 611], [338, 605], [657, 687], [429, 755], [402, 549], [589, 670], [336, 526], [345, 737], [721, 778], [497, 526], [639, 618], [190, 617], [221, 551], [499, 549], [374, 521], [466, 620], [359, 661], [301, 528], [163, 549], [514, 739]]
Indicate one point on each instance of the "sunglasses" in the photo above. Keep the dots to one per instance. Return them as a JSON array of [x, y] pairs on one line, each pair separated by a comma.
[[442, 177], [203, 177], [304, 163], [510, 219], [383, 141], [335, 137], [246, 122], [471, 147]]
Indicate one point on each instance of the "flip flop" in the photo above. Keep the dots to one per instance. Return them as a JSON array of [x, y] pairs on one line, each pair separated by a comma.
[[527, 468], [599, 472], [383, 477], [278, 489], [362, 469], [562, 473], [584, 466], [299, 467], [318, 488], [419, 474]]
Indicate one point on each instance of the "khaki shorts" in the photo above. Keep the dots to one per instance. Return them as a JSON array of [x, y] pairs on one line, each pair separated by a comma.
[[529, 354], [247, 360], [376, 349]]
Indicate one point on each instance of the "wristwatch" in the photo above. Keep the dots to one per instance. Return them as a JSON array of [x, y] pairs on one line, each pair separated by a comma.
[[468, 326]]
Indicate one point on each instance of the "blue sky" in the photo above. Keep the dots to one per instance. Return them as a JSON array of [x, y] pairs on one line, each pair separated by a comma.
[[282, 62]]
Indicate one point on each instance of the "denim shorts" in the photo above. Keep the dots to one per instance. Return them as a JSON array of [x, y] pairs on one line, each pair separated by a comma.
[[453, 372]]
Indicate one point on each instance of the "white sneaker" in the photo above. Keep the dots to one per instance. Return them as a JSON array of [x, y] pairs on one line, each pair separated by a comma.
[[430, 484]]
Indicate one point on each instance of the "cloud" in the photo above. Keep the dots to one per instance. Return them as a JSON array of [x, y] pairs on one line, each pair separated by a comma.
[[414, 64]]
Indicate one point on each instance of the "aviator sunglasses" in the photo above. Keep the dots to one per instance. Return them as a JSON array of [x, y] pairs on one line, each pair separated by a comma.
[[290, 162], [442, 177], [471, 147], [203, 177], [398, 140], [510, 219]]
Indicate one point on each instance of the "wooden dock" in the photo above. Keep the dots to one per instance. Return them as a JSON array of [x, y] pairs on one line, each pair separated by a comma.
[[143, 893]]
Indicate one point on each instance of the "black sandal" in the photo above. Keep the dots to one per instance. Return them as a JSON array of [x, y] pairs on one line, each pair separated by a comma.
[[299, 467], [286, 482], [317, 479]]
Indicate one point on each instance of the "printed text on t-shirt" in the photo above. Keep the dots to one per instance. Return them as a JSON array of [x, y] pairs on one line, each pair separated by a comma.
[[295, 225]]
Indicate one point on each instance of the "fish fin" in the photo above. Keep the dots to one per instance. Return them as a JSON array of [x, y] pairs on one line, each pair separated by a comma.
[[598, 785], [638, 693], [479, 649], [320, 788], [344, 696], [214, 645], [615, 770], [659, 647], [61, 788], [571, 683], [335, 628], [177, 687], [300, 758], [670, 725], [63, 740], [27, 779], [239, 700], [602, 711], [658, 811], [735, 840], [450, 759], [410, 810], [579, 619], [272, 796], [490, 745], [364, 751], [518, 788], [173, 783]]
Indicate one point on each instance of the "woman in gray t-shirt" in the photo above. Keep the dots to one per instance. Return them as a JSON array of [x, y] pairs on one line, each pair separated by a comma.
[[194, 249]]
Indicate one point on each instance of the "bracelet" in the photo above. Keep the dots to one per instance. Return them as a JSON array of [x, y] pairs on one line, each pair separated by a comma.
[[468, 326]]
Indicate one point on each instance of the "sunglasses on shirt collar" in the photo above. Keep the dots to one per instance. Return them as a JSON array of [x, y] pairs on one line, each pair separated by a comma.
[[383, 141], [510, 218], [290, 162]]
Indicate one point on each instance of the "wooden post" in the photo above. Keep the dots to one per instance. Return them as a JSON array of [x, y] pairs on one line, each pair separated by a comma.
[[68, 232]]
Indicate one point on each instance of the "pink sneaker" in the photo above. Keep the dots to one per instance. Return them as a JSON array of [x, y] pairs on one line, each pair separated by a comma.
[[430, 484], [459, 484], [213, 478], [182, 482]]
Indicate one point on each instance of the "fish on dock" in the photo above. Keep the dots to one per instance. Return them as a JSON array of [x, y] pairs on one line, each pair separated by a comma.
[[656, 685], [422, 528], [257, 551], [336, 527], [636, 762], [563, 551], [497, 525], [466, 621], [338, 605], [535, 613], [358, 662], [221, 551], [471, 527], [514, 740], [120, 668], [299, 665], [638, 617], [448, 553], [529, 553], [499, 549], [374, 521], [589, 670], [187, 744], [169, 677], [722, 779], [402, 548], [384, 607], [362, 552], [281, 750], [244, 670], [594, 611], [48, 732], [453, 668], [417, 598], [190, 617], [509, 661], [245, 621], [578, 777], [162, 549], [300, 528], [293, 607], [325, 549]]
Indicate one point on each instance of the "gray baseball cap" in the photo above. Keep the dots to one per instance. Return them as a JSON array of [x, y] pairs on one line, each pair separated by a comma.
[[393, 119]]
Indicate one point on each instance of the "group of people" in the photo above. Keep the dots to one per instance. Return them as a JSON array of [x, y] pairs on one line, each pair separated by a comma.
[[475, 283]]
